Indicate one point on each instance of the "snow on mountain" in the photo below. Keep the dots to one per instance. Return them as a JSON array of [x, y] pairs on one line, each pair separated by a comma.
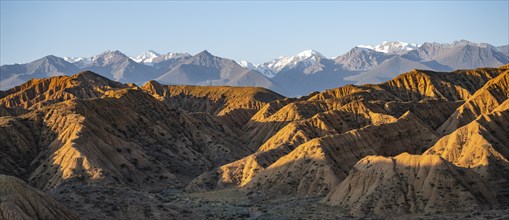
[[392, 47], [74, 59], [270, 69], [78, 61], [247, 64], [107, 57], [306, 58], [146, 57], [207, 69], [170, 56], [257, 67], [298, 75], [116, 65]]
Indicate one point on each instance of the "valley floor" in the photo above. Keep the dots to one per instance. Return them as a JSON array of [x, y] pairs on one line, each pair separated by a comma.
[[119, 203]]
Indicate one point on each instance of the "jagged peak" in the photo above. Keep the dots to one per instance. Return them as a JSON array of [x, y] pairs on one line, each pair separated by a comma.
[[146, 57], [113, 52], [391, 47], [153, 52], [151, 84], [454, 44], [204, 53], [310, 53], [109, 53], [87, 74], [358, 49], [51, 58], [464, 42]]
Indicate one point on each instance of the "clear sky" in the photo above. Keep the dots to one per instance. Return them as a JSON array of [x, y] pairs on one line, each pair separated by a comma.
[[256, 31]]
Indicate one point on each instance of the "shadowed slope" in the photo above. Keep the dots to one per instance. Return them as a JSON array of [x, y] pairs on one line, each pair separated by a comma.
[[20, 201], [483, 146], [487, 98], [409, 184], [286, 140], [297, 172], [126, 137], [270, 167], [235, 104], [278, 128], [94, 130]]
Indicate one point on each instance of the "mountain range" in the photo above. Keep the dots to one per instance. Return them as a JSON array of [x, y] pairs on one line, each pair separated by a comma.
[[424, 144], [291, 76]]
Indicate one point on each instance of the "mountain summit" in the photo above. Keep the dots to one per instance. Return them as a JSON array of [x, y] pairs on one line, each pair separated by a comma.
[[392, 47], [207, 69], [146, 57], [295, 75]]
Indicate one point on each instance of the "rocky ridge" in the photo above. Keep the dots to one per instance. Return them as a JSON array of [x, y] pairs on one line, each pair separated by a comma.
[[84, 138]]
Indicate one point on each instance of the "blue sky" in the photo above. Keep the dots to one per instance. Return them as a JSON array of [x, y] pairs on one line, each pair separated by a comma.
[[256, 31]]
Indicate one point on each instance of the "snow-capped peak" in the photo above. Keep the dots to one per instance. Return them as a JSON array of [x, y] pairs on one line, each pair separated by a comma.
[[305, 58], [146, 57], [107, 55], [257, 67], [246, 64], [310, 54], [75, 59], [173, 56], [78, 61], [111, 53], [270, 69], [393, 47]]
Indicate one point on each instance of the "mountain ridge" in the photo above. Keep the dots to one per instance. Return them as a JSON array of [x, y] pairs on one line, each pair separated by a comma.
[[293, 76], [111, 150]]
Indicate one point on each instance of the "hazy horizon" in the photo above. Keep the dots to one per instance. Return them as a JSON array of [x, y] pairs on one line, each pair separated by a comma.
[[256, 31]]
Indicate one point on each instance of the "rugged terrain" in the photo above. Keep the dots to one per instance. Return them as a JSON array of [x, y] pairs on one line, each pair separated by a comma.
[[422, 144], [292, 76], [21, 201]]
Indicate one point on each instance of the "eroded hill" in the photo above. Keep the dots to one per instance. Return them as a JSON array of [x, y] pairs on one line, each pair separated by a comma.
[[21, 201], [85, 139], [87, 130]]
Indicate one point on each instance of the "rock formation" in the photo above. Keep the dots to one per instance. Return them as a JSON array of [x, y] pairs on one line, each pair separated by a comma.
[[20, 201], [427, 184], [235, 104], [84, 139]]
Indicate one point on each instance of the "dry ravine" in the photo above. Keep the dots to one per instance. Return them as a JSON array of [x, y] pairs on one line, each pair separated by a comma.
[[424, 145]]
